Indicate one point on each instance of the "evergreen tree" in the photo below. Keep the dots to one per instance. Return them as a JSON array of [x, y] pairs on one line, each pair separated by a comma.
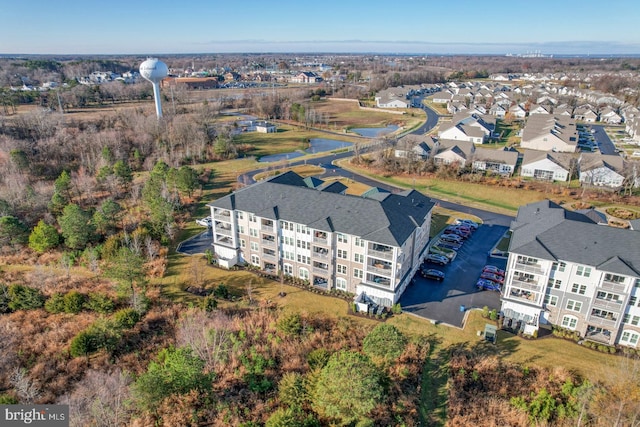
[[44, 237]]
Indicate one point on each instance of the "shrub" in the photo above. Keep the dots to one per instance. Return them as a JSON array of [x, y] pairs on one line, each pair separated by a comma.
[[24, 298], [384, 342], [290, 324], [74, 302], [485, 312], [6, 399], [493, 314], [55, 304], [99, 303], [221, 291], [396, 308], [83, 344], [318, 358], [44, 237], [209, 304], [126, 318], [4, 299]]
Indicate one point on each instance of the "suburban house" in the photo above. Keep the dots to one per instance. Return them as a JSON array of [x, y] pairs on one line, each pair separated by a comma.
[[608, 115], [306, 77], [565, 270], [517, 111], [633, 128], [265, 127], [546, 132], [585, 113], [394, 97], [539, 109], [450, 152], [468, 126], [547, 166], [601, 170], [502, 162], [370, 245], [414, 146], [442, 97]]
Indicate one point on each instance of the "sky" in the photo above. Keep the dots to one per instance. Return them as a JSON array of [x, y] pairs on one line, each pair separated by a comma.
[[143, 27]]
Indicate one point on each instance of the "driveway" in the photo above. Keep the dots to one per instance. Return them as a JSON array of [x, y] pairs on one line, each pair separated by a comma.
[[197, 244], [605, 144], [441, 301]]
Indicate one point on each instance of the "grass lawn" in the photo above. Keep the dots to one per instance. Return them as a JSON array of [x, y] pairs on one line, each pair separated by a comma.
[[302, 170]]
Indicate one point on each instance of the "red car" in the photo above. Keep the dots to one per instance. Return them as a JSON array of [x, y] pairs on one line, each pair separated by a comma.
[[493, 269], [493, 277]]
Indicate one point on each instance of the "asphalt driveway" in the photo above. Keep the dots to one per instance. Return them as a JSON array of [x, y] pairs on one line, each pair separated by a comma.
[[441, 301], [197, 244]]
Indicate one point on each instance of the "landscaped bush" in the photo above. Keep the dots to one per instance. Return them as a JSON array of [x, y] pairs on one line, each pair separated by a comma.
[[99, 303], [24, 298]]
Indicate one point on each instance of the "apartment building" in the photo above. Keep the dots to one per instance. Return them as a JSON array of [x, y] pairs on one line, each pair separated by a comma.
[[566, 270], [547, 132], [370, 244]]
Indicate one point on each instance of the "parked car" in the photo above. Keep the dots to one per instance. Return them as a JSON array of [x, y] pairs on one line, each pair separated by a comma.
[[487, 285], [451, 238], [205, 222], [493, 277], [461, 231], [449, 253], [449, 245], [467, 222], [431, 273], [436, 259], [493, 269]]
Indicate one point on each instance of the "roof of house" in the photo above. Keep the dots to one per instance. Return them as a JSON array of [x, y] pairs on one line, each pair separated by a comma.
[[591, 161], [546, 230], [562, 127], [500, 156], [561, 159], [388, 219]]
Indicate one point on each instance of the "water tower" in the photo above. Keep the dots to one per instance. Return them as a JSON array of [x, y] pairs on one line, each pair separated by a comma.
[[154, 70]]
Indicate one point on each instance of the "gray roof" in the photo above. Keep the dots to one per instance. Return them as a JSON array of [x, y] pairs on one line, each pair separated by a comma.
[[562, 127], [388, 220], [561, 159], [498, 156], [546, 230], [590, 161]]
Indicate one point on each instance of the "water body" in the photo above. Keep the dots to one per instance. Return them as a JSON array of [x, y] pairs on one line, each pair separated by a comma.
[[375, 132], [317, 145]]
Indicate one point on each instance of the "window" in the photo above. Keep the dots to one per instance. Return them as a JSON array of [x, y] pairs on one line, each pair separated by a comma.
[[255, 260], [613, 278], [583, 271], [252, 217], [559, 266], [303, 273], [288, 240], [303, 229], [357, 273], [637, 283], [241, 229], [254, 246], [253, 232], [358, 257], [359, 242], [342, 238], [288, 255], [579, 289], [556, 284], [631, 320], [343, 254], [304, 259], [243, 243], [630, 338], [633, 301], [286, 225], [569, 322], [303, 245], [551, 300], [342, 269], [240, 215], [341, 284], [287, 269], [574, 305]]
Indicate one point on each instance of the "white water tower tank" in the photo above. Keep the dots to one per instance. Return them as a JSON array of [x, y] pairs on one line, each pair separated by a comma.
[[155, 70]]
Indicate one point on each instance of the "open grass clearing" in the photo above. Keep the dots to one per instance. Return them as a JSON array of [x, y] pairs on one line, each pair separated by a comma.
[[302, 170]]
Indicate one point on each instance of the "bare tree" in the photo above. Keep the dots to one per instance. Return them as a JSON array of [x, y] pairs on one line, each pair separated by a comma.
[[207, 334], [26, 389]]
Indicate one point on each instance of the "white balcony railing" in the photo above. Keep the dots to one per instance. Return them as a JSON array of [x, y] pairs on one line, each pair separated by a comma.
[[613, 286], [601, 321], [530, 285], [529, 268], [607, 304], [380, 254], [222, 217]]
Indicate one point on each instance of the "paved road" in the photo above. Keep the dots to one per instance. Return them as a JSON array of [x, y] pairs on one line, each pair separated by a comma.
[[605, 144]]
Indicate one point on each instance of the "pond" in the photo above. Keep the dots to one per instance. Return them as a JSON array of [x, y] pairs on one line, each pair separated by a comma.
[[374, 132], [317, 145]]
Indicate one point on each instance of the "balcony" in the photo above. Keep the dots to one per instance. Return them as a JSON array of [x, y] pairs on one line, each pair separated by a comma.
[[269, 242], [378, 280], [223, 230], [269, 254], [613, 286], [267, 228], [320, 237], [321, 253], [607, 304], [602, 321], [382, 254], [224, 240], [519, 294], [222, 216], [380, 268], [598, 335], [523, 283], [529, 268]]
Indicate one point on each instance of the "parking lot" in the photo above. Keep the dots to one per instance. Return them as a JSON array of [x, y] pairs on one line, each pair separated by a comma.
[[441, 301]]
